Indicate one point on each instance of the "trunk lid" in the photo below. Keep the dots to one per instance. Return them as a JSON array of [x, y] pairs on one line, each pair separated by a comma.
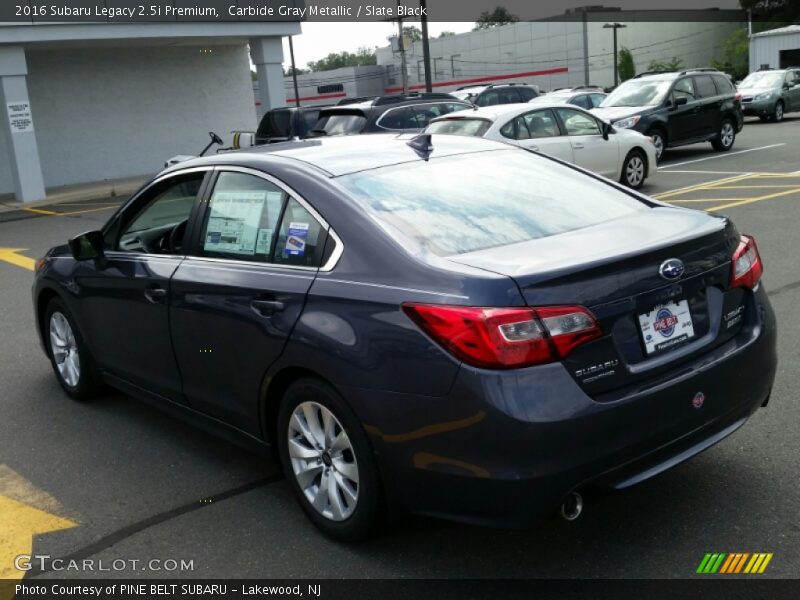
[[613, 268]]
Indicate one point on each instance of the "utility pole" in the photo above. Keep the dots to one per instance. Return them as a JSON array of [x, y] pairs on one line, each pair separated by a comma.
[[426, 49], [615, 26], [294, 73], [403, 68]]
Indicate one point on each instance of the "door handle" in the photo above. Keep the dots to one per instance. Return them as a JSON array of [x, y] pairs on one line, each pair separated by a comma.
[[155, 294], [267, 307], [577, 146], [533, 148]]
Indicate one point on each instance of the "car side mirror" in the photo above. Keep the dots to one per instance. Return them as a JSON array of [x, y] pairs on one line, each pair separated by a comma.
[[606, 127], [786, 86], [87, 246], [681, 100]]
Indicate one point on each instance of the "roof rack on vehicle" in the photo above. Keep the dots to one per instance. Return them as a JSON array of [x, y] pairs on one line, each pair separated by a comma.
[[586, 87], [699, 70], [644, 73], [355, 100], [395, 98]]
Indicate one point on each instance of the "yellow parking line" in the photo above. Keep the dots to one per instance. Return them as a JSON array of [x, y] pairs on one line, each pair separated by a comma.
[[704, 200], [701, 186], [88, 210], [40, 211], [12, 256], [754, 187], [752, 200]]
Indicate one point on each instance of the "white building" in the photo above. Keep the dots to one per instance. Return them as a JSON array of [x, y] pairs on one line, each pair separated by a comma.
[[775, 48], [88, 102]]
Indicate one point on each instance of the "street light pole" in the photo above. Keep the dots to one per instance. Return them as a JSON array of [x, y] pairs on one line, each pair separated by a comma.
[[294, 73], [615, 26], [426, 49]]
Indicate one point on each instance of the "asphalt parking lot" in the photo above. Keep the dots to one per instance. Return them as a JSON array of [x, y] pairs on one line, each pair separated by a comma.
[[115, 479]]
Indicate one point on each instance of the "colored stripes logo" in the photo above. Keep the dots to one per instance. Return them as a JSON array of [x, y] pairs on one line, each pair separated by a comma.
[[741, 562]]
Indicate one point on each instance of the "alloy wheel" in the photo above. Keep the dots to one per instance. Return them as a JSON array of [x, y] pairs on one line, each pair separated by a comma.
[[658, 142], [323, 461], [634, 171], [64, 349], [779, 111], [727, 134]]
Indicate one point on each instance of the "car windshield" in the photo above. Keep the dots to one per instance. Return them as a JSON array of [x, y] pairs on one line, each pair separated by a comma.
[[339, 124], [638, 92], [468, 202], [762, 80], [460, 126]]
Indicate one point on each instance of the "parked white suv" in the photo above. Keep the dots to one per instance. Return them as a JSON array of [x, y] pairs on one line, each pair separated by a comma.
[[566, 132]]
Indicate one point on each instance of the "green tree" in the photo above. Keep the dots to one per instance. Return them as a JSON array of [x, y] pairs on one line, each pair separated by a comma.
[[290, 71], [673, 64], [625, 65], [335, 60], [499, 16], [768, 14], [445, 34], [735, 55], [413, 33]]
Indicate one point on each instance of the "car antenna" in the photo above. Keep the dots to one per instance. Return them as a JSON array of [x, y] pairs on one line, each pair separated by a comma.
[[422, 145]]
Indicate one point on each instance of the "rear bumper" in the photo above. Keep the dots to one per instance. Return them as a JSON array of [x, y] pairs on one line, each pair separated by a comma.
[[505, 448]]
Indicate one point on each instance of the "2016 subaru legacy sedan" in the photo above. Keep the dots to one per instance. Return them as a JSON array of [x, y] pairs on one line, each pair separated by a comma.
[[444, 325]]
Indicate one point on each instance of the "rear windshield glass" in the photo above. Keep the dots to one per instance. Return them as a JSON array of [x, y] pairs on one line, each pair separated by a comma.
[[468, 202], [476, 127], [340, 124]]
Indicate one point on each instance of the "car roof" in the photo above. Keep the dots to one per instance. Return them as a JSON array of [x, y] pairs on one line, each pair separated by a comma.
[[342, 155], [496, 112]]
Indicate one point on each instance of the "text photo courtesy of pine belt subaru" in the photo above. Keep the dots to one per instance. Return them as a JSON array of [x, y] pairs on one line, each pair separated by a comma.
[[442, 325], [568, 133], [675, 109]]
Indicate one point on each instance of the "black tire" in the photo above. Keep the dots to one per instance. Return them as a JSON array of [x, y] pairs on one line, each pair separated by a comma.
[[657, 135], [368, 511], [726, 136], [628, 175], [777, 112], [87, 382]]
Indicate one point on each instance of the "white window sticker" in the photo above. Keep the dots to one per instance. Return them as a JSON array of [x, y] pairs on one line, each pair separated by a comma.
[[264, 241], [296, 239], [20, 117], [234, 222]]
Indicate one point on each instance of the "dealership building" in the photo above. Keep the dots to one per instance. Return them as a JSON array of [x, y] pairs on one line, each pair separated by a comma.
[[775, 49], [571, 49], [94, 101]]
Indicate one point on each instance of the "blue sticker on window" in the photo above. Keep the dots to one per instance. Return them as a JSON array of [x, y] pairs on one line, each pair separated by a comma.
[[296, 239]]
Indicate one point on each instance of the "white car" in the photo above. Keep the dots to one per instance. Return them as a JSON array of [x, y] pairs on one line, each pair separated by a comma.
[[566, 132]]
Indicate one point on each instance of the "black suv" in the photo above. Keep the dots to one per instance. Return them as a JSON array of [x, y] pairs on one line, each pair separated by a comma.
[[410, 112], [282, 124], [501, 93], [685, 107]]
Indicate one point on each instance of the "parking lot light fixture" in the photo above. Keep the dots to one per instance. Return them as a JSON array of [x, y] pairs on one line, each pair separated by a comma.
[[615, 26]]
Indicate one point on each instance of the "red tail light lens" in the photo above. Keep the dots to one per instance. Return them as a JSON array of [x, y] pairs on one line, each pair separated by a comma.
[[747, 266], [505, 338]]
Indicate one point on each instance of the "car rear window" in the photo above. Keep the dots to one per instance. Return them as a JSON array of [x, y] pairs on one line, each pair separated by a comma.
[[340, 123], [458, 204], [460, 126]]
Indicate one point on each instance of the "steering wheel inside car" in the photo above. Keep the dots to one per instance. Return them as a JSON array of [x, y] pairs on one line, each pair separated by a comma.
[[174, 239]]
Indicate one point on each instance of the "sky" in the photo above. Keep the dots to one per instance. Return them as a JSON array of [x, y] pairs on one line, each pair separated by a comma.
[[320, 39]]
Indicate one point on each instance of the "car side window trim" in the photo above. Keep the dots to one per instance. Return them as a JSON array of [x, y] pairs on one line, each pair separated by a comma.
[[327, 266]]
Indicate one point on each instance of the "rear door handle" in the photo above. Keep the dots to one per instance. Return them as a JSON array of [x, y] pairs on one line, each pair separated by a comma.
[[267, 307], [155, 294], [577, 146]]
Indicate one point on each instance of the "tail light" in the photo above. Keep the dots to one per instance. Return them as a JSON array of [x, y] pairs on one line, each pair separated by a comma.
[[505, 338], [747, 266], [738, 97]]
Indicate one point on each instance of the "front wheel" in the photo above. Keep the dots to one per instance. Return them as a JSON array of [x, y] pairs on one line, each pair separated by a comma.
[[659, 142], [727, 135], [72, 363], [328, 461], [777, 112], [633, 170]]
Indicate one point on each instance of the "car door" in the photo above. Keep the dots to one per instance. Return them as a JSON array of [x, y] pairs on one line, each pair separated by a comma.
[[126, 294], [591, 150], [539, 130], [238, 295], [710, 105], [792, 79], [683, 118]]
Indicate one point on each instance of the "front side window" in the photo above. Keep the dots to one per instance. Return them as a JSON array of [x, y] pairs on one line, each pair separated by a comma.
[[582, 101], [597, 99], [458, 204], [684, 88], [159, 225], [541, 124], [578, 123], [250, 218]]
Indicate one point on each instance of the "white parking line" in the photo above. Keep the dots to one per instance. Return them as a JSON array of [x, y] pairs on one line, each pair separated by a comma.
[[697, 160]]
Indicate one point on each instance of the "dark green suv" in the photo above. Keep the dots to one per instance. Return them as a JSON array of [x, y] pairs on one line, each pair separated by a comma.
[[771, 93], [678, 108]]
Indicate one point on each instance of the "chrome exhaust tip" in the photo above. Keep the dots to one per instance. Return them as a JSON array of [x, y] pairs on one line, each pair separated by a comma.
[[572, 507]]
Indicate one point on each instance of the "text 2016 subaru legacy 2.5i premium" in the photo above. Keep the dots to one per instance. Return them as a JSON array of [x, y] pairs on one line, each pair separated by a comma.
[[446, 325]]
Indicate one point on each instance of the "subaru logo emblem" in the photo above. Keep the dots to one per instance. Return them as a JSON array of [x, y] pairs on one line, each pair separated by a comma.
[[672, 268], [698, 400]]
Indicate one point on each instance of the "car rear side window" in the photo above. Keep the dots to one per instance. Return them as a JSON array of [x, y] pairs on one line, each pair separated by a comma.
[[582, 101], [398, 119], [458, 204], [526, 93], [724, 85], [301, 238], [458, 126], [705, 86], [340, 123]]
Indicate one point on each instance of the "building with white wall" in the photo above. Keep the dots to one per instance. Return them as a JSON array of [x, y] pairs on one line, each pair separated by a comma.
[[567, 50], [775, 49], [87, 102]]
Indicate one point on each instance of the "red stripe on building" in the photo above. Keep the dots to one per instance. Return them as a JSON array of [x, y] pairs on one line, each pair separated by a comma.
[[322, 97], [483, 79]]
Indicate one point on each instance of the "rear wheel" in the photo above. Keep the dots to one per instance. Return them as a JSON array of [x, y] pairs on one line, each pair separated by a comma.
[[659, 141], [727, 135], [634, 169], [777, 112], [328, 461], [72, 363]]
